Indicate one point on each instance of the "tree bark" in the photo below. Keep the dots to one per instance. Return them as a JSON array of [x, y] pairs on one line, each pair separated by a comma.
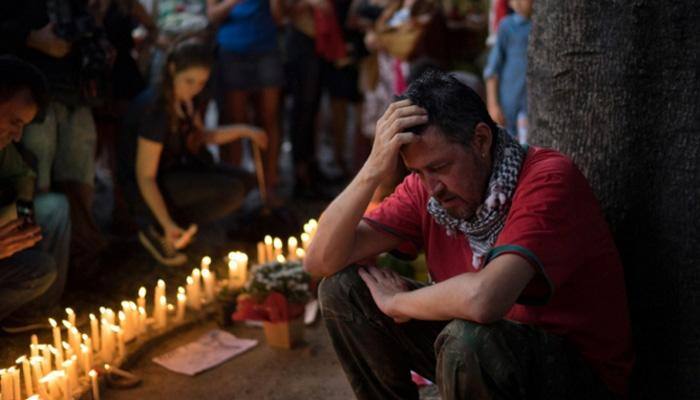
[[616, 86]]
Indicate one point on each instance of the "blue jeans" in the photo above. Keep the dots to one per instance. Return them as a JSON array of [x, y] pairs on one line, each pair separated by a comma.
[[24, 277], [53, 215]]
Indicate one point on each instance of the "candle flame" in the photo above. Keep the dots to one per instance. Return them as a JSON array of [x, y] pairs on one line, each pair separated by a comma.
[[142, 292], [277, 243], [161, 283], [292, 241], [268, 239], [206, 260], [52, 322], [92, 373]]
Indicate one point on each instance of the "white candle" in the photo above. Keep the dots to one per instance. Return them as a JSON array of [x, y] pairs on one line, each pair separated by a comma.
[[208, 280], [277, 244], [163, 316], [33, 346], [142, 320], [45, 359], [87, 357], [292, 248], [6, 385], [261, 253], [37, 375], [142, 297], [193, 294], [26, 371], [305, 240], [233, 274], [95, 332], [206, 262], [107, 349], [71, 316], [57, 342], [93, 384], [268, 248], [181, 300], [121, 344], [159, 292], [16, 386], [197, 279]]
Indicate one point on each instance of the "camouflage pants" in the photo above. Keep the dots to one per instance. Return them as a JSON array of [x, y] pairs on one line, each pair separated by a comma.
[[503, 360]]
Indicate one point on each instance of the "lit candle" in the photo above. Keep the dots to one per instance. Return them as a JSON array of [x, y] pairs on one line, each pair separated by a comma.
[[74, 339], [313, 225], [33, 346], [159, 292], [192, 294], [277, 244], [305, 240], [6, 384], [68, 351], [16, 385], [233, 274], [268, 248], [181, 300], [46, 380], [121, 345], [27, 375], [71, 316], [206, 262], [87, 358], [46, 359], [124, 325], [37, 374], [142, 297], [95, 332], [57, 342], [107, 349], [71, 375], [242, 260], [34, 397], [261, 253], [281, 259], [64, 383], [93, 384], [208, 279], [300, 254], [292, 248], [197, 287], [142, 321]]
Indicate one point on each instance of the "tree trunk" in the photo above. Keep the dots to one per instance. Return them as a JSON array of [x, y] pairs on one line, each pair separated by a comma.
[[616, 86]]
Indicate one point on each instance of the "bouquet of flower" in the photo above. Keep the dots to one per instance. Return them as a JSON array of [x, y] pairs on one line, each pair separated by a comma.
[[275, 292]]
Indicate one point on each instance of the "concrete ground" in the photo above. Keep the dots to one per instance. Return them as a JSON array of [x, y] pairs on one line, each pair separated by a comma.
[[310, 371]]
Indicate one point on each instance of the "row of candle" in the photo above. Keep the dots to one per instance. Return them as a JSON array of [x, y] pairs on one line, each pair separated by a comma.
[[74, 359]]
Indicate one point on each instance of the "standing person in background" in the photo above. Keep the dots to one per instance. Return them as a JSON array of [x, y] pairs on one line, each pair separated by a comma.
[[169, 177], [250, 68], [62, 39], [506, 89]]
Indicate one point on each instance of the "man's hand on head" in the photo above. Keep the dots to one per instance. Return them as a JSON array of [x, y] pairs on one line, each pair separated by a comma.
[[384, 285], [15, 236], [391, 133]]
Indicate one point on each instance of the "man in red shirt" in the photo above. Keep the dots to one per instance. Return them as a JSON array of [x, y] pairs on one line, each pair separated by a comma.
[[528, 300]]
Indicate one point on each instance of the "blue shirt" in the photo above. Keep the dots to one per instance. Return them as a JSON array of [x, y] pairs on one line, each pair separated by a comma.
[[249, 28], [508, 61]]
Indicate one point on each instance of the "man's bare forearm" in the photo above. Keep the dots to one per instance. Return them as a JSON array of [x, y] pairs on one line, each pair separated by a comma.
[[335, 237]]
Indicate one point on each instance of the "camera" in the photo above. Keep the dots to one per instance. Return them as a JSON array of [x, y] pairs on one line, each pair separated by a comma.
[[25, 212]]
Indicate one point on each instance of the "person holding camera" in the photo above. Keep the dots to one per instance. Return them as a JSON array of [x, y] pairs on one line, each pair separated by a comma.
[[33, 247], [63, 40]]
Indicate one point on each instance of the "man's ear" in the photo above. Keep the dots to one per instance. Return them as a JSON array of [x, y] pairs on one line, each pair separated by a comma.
[[482, 140]]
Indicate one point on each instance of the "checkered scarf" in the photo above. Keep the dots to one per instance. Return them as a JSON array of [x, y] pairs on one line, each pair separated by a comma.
[[483, 227]]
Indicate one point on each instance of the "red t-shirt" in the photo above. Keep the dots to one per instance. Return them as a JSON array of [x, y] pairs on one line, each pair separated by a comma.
[[556, 224]]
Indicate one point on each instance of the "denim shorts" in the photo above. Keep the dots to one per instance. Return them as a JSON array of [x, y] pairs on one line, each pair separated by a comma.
[[249, 71]]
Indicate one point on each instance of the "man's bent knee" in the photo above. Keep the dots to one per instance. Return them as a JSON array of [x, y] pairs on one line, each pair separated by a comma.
[[334, 292]]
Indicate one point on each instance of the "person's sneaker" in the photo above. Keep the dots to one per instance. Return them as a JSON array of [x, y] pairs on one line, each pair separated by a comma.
[[15, 324], [160, 248]]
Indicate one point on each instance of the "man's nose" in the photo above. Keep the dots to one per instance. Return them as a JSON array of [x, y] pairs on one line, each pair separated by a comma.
[[435, 187]]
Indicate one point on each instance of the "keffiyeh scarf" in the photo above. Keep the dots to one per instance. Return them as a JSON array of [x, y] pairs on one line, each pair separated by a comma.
[[482, 229]]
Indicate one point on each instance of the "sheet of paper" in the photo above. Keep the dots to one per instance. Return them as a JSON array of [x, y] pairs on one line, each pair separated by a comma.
[[210, 350]]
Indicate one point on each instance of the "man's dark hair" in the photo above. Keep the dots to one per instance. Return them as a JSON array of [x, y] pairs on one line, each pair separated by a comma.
[[16, 75], [452, 106]]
